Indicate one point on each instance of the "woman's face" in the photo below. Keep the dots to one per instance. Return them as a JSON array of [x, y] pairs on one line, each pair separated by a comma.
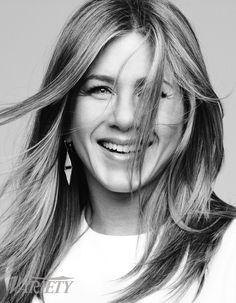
[[103, 119]]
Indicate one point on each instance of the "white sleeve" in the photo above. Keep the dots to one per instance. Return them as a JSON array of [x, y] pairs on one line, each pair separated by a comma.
[[36, 300]]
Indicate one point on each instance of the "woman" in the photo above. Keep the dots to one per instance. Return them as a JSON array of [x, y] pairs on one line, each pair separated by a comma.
[[127, 99]]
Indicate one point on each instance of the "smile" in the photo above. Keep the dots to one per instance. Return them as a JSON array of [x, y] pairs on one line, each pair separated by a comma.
[[122, 149], [119, 148]]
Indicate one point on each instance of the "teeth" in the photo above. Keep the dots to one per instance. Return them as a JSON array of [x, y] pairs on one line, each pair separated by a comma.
[[119, 148]]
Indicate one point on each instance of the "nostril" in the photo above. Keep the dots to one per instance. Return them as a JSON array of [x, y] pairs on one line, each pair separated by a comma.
[[123, 114]]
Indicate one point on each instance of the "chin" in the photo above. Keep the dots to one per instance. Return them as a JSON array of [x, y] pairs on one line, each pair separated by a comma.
[[119, 188], [117, 185], [122, 184]]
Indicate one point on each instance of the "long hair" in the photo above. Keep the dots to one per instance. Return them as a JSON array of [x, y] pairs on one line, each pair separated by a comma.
[[44, 215]]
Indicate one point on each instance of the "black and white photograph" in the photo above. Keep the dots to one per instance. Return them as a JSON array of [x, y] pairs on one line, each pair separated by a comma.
[[117, 153]]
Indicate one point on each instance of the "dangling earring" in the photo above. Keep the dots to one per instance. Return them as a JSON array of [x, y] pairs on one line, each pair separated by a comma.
[[68, 164]]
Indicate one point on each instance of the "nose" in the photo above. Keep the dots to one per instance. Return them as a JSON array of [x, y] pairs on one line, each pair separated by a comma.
[[123, 109]]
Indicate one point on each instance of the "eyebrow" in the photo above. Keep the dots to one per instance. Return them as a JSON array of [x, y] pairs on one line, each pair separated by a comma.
[[104, 78], [112, 80]]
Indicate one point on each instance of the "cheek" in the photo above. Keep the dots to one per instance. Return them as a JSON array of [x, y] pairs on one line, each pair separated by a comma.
[[169, 120], [82, 127], [84, 115], [87, 114]]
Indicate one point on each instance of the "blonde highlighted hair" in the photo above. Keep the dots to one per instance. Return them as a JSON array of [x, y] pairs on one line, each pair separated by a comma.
[[45, 212]]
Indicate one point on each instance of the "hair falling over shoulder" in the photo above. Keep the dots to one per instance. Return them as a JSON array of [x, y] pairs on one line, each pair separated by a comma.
[[44, 215]]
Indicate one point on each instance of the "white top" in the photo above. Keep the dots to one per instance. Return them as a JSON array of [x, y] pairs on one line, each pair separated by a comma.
[[96, 259]]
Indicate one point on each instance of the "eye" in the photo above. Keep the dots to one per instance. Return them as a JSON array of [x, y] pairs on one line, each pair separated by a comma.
[[164, 95], [100, 90], [97, 91]]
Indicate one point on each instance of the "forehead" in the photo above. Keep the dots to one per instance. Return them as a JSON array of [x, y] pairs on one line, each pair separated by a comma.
[[126, 58]]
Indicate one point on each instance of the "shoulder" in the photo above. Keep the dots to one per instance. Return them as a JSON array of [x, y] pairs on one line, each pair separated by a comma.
[[225, 227], [222, 267], [220, 278], [231, 228], [228, 243], [36, 300]]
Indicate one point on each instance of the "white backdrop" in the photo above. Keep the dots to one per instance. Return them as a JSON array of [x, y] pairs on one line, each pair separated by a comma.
[[28, 31]]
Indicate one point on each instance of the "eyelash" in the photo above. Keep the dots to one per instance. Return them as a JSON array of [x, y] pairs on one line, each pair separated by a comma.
[[99, 88]]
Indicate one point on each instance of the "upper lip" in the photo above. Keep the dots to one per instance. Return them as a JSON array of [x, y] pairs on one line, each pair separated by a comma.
[[119, 141]]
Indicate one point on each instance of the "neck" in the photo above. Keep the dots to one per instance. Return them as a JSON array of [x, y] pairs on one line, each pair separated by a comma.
[[113, 213]]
